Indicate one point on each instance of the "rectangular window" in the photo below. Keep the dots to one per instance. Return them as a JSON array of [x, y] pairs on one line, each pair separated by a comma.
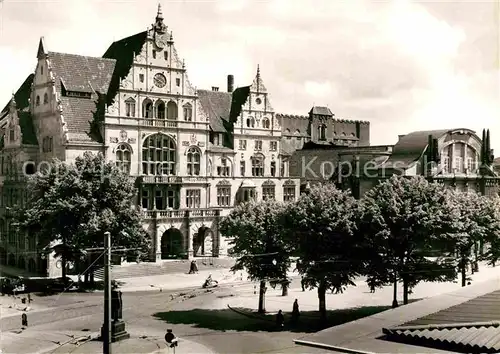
[[224, 196], [223, 169], [178, 82], [12, 135], [188, 113], [458, 164], [242, 144], [171, 199], [159, 200], [154, 54], [273, 145], [445, 164], [257, 167], [216, 139], [130, 109], [145, 199], [471, 166], [268, 192], [258, 145], [242, 168], [141, 77], [193, 197], [273, 168], [288, 193], [165, 55]]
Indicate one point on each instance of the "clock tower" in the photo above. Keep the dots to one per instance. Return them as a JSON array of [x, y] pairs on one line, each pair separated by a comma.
[[159, 30]]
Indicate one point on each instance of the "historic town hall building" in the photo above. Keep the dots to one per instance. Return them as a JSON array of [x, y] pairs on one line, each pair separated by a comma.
[[195, 153]]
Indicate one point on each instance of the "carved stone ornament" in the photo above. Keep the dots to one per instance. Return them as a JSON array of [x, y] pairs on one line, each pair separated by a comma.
[[126, 83], [140, 58], [112, 109], [131, 140], [113, 140], [185, 143], [193, 139], [201, 144], [123, 135]]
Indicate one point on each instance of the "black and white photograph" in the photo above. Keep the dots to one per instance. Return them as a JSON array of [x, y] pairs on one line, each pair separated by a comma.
[[249, 176]]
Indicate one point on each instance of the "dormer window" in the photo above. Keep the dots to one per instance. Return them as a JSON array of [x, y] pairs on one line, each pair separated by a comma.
[[322, 132], [223, 169]]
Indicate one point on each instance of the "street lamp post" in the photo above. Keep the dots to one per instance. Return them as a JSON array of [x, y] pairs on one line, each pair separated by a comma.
[[106, 328]]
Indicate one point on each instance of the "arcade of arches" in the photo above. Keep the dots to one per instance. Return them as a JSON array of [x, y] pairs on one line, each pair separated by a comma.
[[174, 244], [30, 264]]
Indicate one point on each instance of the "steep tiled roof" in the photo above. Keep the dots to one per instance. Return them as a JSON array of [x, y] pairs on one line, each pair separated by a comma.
[[410, 147], [217, 105], [471, 326], [323, 111], [124, 52], [82, 74], [22, 95]]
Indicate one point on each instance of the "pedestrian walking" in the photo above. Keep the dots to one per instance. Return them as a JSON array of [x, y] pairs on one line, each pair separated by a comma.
[[24, 320], [303, 284], [29, 298], [280, 319], [295, 311]]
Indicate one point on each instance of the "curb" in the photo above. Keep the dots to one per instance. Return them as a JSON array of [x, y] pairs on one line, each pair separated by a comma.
[[329, 347], [249, 315]]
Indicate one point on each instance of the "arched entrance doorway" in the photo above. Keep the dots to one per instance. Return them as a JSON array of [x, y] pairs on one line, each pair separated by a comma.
[[203, 242], [3, 256], [171, 244], [21, 262], [12, 260]]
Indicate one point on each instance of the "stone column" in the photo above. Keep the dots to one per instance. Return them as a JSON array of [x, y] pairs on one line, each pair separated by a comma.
[[189, 235]]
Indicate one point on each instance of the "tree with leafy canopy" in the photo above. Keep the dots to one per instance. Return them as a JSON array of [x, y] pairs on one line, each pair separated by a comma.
[[321, 226], [491, 239], [400, 220], [73, 204], [256, 239], [473, 218]]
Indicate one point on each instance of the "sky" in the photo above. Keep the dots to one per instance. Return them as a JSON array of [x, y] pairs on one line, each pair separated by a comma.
[[401, 65]]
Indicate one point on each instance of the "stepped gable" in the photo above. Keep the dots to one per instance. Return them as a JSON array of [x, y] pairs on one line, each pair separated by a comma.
[[217, 105], [124, 52]]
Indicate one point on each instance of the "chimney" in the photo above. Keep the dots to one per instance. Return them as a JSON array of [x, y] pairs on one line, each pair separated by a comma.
[[230, 83], [214, 88]]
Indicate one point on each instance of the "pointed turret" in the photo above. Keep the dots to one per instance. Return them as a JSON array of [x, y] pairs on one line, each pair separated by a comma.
[[488, 148], [159, 26], [483, 147], [12, 105], [258, 85], [42, 52]]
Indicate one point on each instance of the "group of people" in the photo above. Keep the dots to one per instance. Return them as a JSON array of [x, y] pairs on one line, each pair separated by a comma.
[[280, 318]]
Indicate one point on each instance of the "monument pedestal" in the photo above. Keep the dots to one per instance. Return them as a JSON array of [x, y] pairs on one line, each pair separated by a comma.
[[118, 331]]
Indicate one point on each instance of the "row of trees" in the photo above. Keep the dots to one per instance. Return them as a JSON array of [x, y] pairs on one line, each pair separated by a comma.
[[391, 235], [70, 206]]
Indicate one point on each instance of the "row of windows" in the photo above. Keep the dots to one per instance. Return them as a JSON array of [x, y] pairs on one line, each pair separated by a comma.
[[45, 99], [47, 144], [458, 164], [158, 110], [273, 145], [165, 54], [252, 123], [159, 158], [167, 198], [177, 80]]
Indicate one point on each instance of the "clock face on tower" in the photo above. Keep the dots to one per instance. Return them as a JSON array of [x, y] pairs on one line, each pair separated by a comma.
[[160, 80], [160, 41]]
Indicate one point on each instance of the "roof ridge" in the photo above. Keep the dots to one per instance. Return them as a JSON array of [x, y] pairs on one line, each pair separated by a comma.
[[83, 56], [125, 38]]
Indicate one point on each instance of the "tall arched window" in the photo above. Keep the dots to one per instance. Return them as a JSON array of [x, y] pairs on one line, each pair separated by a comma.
[[250, 122], [37, 100], [147, 108], [193, 161], [45, 98], [188, 112], [322, 132], [265, 123], [158, 155], [171, 110], [160, 110], [123, 158]]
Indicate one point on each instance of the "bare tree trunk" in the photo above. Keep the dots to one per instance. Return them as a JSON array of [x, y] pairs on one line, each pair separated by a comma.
[[284, 289], [262, 294], [405, 290], [395, 292], [464, 273], [322, 301]]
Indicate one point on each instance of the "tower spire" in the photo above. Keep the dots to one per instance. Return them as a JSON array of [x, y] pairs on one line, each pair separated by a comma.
[[159, 26], [159, 15], [12, 106]]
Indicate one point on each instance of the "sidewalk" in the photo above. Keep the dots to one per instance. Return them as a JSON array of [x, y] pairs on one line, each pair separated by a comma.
[[353, 297], [32, 341]]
